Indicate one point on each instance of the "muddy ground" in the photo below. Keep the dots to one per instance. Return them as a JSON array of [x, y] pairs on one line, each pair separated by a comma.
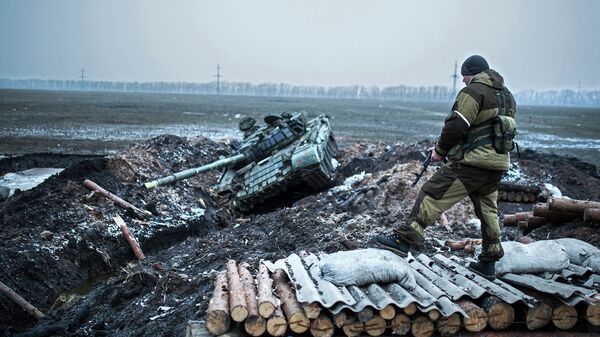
[[62, 251]]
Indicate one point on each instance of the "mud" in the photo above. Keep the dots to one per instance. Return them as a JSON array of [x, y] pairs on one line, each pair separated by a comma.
[[85, 268]]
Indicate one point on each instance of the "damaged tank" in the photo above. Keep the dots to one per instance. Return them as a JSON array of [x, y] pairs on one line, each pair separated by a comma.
[[286, 152]]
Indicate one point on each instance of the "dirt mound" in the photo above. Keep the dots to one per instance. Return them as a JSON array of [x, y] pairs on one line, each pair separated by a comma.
[[185, 244]]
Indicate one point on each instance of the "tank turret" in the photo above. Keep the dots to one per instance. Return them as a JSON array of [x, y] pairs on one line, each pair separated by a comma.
[[287, 151]]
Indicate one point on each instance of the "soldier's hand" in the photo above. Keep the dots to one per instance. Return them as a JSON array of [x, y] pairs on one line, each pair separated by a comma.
[[434, 155]]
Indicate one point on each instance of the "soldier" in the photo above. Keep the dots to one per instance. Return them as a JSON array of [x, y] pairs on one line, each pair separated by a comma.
[[476, 138]]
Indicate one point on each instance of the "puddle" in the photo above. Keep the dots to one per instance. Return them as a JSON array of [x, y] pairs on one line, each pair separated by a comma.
[[28, 179]]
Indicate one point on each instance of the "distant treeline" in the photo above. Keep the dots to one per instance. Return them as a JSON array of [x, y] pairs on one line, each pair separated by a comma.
[[404, 93]]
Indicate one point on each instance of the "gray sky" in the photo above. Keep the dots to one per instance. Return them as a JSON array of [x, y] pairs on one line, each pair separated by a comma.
[[542, 44]]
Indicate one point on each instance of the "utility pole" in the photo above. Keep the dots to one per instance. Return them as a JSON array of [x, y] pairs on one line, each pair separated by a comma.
[[82, 77], [454, 78], [218, 76]]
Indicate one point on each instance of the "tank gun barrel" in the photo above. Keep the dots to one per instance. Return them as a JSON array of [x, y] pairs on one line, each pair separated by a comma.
[[195, 171]]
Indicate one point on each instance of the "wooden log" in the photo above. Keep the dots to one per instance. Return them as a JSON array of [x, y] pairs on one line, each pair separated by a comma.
[[266, 300], [375, 326], [555, 217], [448, 326], [564, 316], [526, 197], [477, 319], [237, 297], [462, 244], [217, 314], [531, 223], [255, 325], [517, 333], [296, 318], [322, 326], [365, 314], [410, 309], [388, 312], [510, 196], [133, 243], [592, 314], [353, 327], [518, 196], [20, 301], [433, 315], [506, 186], [276, 324], [400, 324], [591, 216], [501, 195], [312, 310], [571, 205], [340, 319], [509, 220], [539, 316], [422, 327], [143, 214], [500, 315]]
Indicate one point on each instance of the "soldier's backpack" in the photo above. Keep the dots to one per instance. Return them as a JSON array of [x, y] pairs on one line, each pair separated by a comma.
[[499, 131]]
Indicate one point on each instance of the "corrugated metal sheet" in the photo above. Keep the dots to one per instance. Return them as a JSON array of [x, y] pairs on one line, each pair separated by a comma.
[[440, 281]]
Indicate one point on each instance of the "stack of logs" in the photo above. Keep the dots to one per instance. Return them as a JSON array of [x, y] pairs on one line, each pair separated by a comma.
[[518, 193], [556, 211], [269, 306]]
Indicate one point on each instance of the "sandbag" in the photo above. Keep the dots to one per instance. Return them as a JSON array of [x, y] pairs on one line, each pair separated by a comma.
[[581, 253], [365, 266], [536, 257]]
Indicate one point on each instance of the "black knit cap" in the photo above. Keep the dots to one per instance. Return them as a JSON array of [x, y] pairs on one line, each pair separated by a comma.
[[474, 65]]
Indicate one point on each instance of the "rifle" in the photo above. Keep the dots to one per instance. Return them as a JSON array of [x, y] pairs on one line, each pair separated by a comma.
[[425, 165]]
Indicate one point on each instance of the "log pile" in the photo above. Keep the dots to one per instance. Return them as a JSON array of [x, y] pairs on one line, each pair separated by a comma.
[[518, 193], [555, 211], [238, 297]]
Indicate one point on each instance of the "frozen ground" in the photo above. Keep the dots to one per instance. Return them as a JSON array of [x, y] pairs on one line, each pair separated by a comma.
[[28, 179], [91, 123]]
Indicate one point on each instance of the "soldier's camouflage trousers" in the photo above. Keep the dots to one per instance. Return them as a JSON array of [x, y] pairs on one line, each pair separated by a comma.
[[449, 185]]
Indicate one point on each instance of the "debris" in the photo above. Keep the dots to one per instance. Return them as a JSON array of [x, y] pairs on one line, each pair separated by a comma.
[[33, 311], [120, 202], [133, 243], [46, 235]]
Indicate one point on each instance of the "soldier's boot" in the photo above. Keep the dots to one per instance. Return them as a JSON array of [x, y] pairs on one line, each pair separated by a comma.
[[485, 269], [393, 243]]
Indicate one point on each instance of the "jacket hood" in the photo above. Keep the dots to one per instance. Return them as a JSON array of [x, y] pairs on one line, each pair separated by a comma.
[[491, 78]]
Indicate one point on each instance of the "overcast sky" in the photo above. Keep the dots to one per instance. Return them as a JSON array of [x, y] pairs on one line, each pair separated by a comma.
[[542, 44]]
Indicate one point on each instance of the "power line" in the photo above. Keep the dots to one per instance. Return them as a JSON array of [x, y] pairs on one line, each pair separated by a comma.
[[218, 76], [454, 77]]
